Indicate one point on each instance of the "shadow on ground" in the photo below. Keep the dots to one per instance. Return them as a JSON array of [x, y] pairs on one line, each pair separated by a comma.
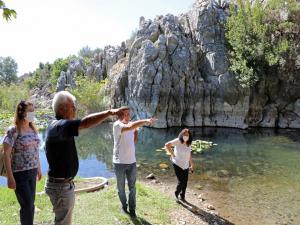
[[210, 218], [140, 221]]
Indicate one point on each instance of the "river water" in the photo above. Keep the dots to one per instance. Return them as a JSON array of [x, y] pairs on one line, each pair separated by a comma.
[[250, 176]]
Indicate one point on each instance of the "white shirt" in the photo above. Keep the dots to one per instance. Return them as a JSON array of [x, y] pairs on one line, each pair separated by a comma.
[[182, 154], [124, 149]]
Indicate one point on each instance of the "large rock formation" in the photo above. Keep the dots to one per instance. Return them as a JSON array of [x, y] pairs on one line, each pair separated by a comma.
[[177, 70]]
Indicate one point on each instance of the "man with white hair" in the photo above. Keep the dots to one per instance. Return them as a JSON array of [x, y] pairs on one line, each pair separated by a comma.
[[62, 155]]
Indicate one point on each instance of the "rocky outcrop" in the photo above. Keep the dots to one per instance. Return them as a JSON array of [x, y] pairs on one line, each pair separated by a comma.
[[177, 70], [98, 68]]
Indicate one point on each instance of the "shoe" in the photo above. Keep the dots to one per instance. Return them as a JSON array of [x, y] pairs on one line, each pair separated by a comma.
[[182, 198], [176, 198], [123, 210], [132, 214]]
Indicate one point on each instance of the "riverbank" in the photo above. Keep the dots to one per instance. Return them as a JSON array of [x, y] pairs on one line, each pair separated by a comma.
[[155, 205]]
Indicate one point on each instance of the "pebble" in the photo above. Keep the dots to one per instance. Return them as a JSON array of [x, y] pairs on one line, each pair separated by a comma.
[[150, 176], [210, 207], [155, 181], [163, 166], [199, 187]]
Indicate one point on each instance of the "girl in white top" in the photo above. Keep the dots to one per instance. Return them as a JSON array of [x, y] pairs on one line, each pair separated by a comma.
[[182, 160]]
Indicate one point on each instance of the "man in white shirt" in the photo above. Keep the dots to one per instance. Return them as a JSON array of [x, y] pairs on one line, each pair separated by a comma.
[[125, 136]]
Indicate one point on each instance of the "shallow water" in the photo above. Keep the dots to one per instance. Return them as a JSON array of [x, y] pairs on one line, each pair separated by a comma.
[[251, 177]]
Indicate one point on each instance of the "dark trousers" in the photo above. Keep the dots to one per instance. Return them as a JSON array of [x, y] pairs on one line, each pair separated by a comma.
[[25, 192], [182, 177]]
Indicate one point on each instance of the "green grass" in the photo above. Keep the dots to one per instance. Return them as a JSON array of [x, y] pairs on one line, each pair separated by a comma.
[[102, 207]]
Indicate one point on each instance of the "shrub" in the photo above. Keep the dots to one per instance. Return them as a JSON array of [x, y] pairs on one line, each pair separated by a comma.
[[260, 35], [90, 94], [11, 95]]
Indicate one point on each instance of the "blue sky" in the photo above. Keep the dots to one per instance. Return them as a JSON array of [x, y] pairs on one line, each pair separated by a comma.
[[48, 29]]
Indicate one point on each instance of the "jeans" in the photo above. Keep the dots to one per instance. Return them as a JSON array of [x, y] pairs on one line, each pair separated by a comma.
[[62, 197], [182, 177], [25, 192], [127, 171]]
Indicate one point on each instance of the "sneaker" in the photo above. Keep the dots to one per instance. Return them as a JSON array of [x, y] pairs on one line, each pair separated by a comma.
[[123, 210], [132, 214]]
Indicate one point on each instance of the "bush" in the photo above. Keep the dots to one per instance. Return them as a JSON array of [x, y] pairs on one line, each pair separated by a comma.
[[260, 35], [90, 94], [11, 95]]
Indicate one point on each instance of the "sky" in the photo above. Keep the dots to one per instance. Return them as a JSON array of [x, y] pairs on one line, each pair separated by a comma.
[[49, 29]]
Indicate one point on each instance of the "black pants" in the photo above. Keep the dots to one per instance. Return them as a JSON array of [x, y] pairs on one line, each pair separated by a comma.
[[25, 192], [182, 177]]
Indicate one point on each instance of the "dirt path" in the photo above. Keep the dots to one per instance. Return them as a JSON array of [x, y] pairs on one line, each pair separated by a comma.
[[196, 210]]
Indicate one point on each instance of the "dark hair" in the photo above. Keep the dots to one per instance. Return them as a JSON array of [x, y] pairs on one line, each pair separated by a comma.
[[180, 136], [121, 113], [20, 114]]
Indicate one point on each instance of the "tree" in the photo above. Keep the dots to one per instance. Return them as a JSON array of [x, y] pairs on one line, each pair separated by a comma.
[[86, 52], [261, 35], [8, 70], [7, 13]]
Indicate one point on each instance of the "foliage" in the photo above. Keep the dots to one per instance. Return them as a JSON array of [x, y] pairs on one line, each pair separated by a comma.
[[48, 73], [8, 70], [39, 77], [261, 34], [11, 95], [90, 94], [85, 52], [7, 13]]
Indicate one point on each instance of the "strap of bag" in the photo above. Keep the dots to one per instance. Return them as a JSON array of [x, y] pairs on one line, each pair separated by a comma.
[[15, 137], [2, 167]]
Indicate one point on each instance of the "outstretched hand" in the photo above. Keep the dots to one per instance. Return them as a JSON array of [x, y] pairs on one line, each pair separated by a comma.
[[152, 120]]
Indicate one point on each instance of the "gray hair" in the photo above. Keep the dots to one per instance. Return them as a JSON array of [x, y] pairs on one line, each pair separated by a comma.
[[60, 98]]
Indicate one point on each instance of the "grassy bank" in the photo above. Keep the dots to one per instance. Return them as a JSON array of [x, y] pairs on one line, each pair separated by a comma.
[[102, 207]]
